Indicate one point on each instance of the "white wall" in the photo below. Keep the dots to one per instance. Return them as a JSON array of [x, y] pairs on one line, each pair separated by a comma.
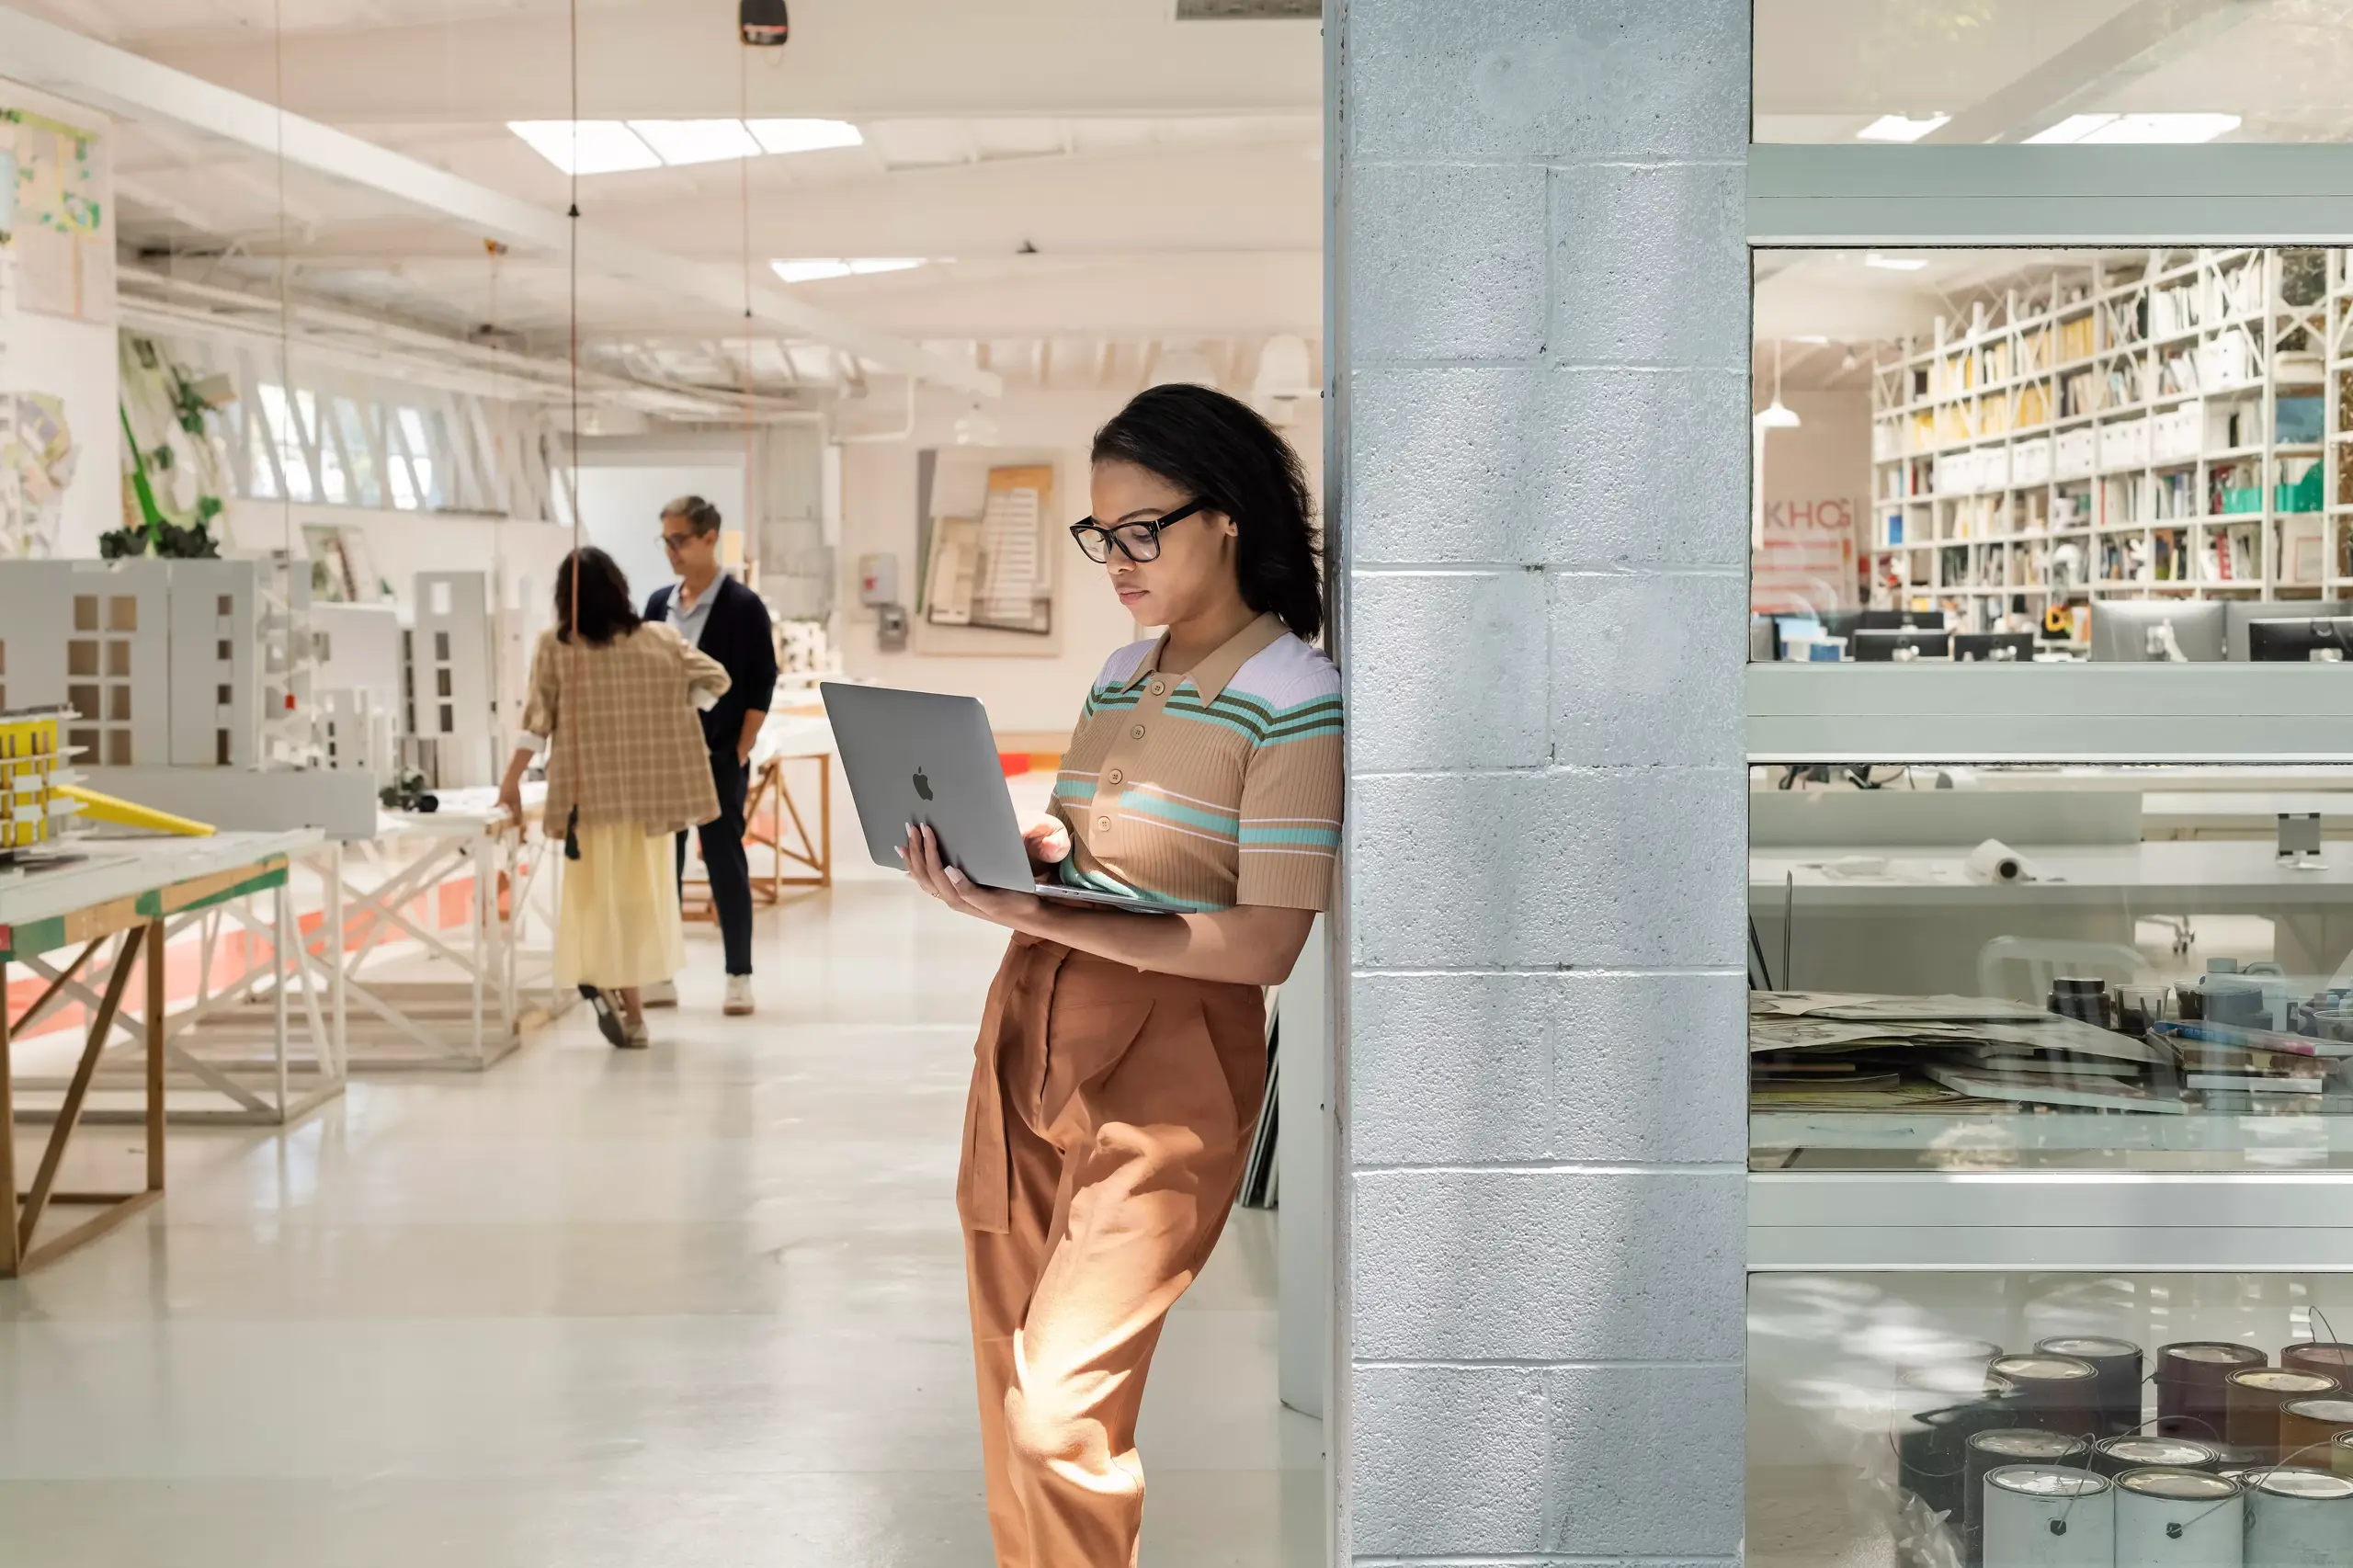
[[1028, 696], [621, 509]]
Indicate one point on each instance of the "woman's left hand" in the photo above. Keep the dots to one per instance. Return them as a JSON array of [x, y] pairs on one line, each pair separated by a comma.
[[951, 887]]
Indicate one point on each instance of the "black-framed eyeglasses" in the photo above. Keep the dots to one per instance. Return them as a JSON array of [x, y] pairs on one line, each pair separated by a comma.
[[1139, 540]]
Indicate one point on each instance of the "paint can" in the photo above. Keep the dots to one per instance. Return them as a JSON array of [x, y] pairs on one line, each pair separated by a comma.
[[2057, 1393], [2252, 1398], [2299, 1519], [2037, 1517], [2121, 1366], [2308, 1429], [2001, 1450], [2192, 1397], [2341, 1452], [2326, 1356], [1948, 1404], [2179, 1518], [2114, 1456]]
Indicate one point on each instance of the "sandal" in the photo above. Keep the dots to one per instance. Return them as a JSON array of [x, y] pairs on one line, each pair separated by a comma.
[[608, 1017]]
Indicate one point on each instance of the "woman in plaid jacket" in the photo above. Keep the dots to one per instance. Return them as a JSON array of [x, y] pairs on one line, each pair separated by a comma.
[[613, 704]]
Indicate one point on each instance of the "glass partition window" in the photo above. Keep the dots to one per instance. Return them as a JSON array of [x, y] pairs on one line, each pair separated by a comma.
[[2087, 73], [1952, 1418], [2147, 969], [2051, 456]]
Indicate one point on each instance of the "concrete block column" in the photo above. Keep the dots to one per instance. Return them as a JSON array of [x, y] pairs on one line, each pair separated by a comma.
[[1538, 456]]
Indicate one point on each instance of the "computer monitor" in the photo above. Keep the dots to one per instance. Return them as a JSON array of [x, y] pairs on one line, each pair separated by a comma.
[[1884, 646], [1764, 643], [1788, 628], [1994, 647], [2243, 613], [1898, 620], [2141, 632], [1841, 622], [2297, 642]]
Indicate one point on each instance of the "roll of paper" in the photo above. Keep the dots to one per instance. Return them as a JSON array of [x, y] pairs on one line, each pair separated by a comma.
[[1994, 862]]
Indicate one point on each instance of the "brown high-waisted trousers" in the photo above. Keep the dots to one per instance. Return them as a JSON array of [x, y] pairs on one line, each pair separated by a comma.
[[1110, 1117]]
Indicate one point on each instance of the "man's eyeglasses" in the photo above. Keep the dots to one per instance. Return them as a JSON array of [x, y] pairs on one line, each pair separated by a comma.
[[1139, 540], [677, 541]]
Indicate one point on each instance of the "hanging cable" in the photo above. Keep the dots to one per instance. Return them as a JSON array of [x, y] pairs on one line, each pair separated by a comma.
[[743, 190], [572, 637]]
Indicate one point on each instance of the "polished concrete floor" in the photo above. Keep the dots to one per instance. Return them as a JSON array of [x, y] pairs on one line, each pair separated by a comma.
[[701, 1305]]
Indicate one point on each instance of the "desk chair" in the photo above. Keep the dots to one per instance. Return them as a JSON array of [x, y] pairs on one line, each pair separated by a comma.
[[2022, 967]]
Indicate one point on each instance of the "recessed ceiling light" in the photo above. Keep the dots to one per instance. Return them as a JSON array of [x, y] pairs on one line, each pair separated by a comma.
[[1898, 128], [2115, 129], [587, 146], [804, 135], [697, 141], [1895, 263], [816, 269], [1809, 337]]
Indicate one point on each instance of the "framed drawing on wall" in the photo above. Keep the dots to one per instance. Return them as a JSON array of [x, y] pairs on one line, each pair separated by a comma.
[[985, 553]]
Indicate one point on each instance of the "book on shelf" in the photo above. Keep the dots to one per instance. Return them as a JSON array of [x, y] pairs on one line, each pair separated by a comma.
[[2074, 394], [2077, 338], [2034, 405]]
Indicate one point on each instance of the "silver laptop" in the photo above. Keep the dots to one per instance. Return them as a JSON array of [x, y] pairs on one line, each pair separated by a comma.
[[920, 757]]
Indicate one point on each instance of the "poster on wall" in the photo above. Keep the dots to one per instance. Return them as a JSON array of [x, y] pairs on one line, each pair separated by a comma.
[[1807, 560], [64, 243]]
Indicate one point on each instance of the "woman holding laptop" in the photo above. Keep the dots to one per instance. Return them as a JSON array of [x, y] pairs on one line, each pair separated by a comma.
[[1122, 1060]]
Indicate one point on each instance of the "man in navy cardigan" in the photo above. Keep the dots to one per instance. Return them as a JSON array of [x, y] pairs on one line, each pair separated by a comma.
[[726, 621]]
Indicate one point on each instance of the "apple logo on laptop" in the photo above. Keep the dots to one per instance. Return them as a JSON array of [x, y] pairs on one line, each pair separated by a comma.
[[923, 785]]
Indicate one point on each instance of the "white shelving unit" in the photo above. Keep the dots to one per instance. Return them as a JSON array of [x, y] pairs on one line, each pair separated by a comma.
[[2124, 427]]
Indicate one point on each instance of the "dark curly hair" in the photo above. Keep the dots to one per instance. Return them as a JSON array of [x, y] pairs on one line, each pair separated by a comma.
[[605, 608], [1219, 447]]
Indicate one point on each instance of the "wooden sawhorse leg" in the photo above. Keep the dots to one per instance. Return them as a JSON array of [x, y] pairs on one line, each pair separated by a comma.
[[142, 947]]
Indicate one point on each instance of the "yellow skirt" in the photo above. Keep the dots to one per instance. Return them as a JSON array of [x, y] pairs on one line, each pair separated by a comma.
[[616, 923]]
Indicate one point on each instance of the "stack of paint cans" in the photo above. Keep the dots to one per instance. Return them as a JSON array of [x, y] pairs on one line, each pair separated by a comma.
[[2253, 1398], [2003, 1449], [2193, 1396], [2042, 1517], [2299, 1518], [2179, 1518]]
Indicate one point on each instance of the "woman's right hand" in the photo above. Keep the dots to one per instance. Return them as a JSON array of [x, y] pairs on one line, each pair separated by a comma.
[[1046, 838]]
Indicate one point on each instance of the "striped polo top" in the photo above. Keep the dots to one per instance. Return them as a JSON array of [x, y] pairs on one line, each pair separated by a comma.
[[1210, 788]]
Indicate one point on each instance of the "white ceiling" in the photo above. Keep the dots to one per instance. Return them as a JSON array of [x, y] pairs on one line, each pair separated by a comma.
[[2006, 69], [1090, 170], [1086, 172]]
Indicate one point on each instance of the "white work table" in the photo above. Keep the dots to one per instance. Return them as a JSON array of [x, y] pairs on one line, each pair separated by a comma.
[[1846, 940], [2214, 876], [124, 868], [2174, 813], [136, 889]]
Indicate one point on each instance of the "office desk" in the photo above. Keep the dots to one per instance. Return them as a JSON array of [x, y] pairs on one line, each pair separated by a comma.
[[1920, 930], [127, 889]]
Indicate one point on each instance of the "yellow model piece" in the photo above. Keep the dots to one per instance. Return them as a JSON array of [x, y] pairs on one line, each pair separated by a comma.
[[130, 814]]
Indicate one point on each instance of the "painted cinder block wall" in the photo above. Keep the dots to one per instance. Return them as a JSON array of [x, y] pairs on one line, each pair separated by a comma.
[[1539, 457]]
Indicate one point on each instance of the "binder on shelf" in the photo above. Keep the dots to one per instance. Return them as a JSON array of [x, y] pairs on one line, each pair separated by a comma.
[[2073, 453], [2124, 444]]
